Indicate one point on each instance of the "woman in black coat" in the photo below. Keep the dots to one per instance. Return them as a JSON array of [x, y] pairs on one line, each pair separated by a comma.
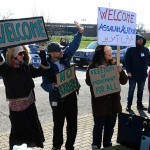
[[17, 74], [105, 108]]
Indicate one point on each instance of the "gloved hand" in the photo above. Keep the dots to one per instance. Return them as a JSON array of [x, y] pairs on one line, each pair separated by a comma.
[[1, 58], [42, 54]]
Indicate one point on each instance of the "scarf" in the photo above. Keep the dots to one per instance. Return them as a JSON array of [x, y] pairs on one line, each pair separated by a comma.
[[16, 63]]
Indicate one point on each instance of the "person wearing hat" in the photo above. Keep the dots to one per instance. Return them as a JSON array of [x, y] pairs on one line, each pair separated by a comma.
[[63, 108], [136, 64], [104, 108], [17, 74]]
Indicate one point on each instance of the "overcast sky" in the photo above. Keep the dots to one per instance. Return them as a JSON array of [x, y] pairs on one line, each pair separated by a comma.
[[66, 11]]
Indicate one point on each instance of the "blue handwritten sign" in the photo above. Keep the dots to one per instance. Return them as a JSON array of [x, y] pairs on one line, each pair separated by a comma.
[[116, 27], [22, 31]]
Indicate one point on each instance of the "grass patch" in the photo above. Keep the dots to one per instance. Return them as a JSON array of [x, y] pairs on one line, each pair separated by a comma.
[[85, 40]]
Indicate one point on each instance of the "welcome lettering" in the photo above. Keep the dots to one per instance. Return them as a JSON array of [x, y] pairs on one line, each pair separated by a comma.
[[115, 15], [22, 31]]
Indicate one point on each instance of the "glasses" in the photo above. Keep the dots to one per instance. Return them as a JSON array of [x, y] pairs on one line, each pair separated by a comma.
[[21, 53]]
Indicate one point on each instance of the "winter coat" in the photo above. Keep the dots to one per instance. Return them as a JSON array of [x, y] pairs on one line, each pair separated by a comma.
[[18, 81], [107, 104], [69, 51], [136, 61]]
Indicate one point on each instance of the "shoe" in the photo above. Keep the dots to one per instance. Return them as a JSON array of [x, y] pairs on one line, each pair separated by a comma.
[[95, 147], [141, 107], [128, 108], [55, 148]]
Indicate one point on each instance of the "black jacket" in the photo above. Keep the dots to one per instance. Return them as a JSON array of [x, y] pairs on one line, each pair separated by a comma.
[[136, 62], [18, 81]]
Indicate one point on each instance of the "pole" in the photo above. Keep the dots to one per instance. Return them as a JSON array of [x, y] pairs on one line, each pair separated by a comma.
[[118, 55]]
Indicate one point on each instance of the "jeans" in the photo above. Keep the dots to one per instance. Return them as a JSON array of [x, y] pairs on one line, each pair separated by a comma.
[[140, 88], [107, 124], [67, 110]]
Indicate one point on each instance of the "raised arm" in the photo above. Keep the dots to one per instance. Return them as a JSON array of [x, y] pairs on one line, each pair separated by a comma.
[[70, 50]]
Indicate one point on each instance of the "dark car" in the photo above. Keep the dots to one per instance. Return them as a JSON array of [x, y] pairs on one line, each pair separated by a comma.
[[83, 56], [34, 51]]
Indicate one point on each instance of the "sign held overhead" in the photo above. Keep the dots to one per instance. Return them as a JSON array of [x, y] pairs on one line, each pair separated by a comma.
[[116, 27], [15, 32]]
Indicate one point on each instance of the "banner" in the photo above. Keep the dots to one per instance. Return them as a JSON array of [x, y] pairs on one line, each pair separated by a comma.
[[23, 31], [105, 80], [67, 81], [116, 27]]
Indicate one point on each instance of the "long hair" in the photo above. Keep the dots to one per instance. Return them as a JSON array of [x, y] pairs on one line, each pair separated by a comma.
[[98, 56], [27, 56]]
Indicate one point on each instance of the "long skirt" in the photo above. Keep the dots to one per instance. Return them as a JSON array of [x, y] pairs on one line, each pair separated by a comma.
[[26, 128]]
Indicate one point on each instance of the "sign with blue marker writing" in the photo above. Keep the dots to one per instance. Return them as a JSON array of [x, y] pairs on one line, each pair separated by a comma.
[[23, 31], [116, 27], [105, 80], [67, 81]]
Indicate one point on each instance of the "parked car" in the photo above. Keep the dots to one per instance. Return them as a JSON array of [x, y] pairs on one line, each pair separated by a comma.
[[35, 59], [83, 56]]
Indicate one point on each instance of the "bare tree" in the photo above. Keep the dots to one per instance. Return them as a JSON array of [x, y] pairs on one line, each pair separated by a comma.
[[140, 28], [7, 15]]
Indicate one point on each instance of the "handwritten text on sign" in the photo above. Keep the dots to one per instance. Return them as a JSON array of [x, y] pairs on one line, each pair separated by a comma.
[[67, 81], [116, 27], [104, 80], [22, 31]]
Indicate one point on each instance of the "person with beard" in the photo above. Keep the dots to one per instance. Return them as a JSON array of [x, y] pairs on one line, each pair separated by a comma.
[[63, 108], [17, 74], [136, 64]]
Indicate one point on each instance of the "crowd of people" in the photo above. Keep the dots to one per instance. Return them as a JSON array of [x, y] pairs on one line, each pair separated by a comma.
[[17, 74]]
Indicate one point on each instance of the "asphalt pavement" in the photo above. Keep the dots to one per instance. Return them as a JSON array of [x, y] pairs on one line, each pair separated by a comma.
[[84, 135], [85, 123]]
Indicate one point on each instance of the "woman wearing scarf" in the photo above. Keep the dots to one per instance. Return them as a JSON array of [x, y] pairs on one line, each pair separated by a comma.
[[17, 74]]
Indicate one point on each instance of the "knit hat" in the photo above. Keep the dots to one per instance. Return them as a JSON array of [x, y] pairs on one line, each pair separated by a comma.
[[16, 50]]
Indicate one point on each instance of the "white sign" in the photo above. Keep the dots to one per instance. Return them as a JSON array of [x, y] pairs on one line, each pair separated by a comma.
[[116, 27]]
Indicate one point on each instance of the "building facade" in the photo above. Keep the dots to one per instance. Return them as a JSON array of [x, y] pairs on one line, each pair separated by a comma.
[[63, 29]]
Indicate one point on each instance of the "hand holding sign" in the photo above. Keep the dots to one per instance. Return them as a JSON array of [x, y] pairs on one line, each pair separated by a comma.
[[119, 68], [42, 46], [102, 66], [55, 85]]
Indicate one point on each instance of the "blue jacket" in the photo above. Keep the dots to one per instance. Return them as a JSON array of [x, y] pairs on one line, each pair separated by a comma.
[[136, 61], [69, 51]]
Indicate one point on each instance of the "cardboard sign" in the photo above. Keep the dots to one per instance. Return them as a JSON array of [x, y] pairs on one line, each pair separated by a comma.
[[116, 27], [22, 31], [105, 80], [67, 81]]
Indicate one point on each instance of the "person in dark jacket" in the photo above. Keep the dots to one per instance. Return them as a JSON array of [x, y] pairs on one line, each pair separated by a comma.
[[104, 108], [63, 108], [17, 76], [136, 64]]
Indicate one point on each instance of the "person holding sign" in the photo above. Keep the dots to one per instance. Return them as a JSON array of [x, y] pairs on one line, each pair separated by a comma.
[[105, 108], [17, 76], [136, 64], [62, 107]]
